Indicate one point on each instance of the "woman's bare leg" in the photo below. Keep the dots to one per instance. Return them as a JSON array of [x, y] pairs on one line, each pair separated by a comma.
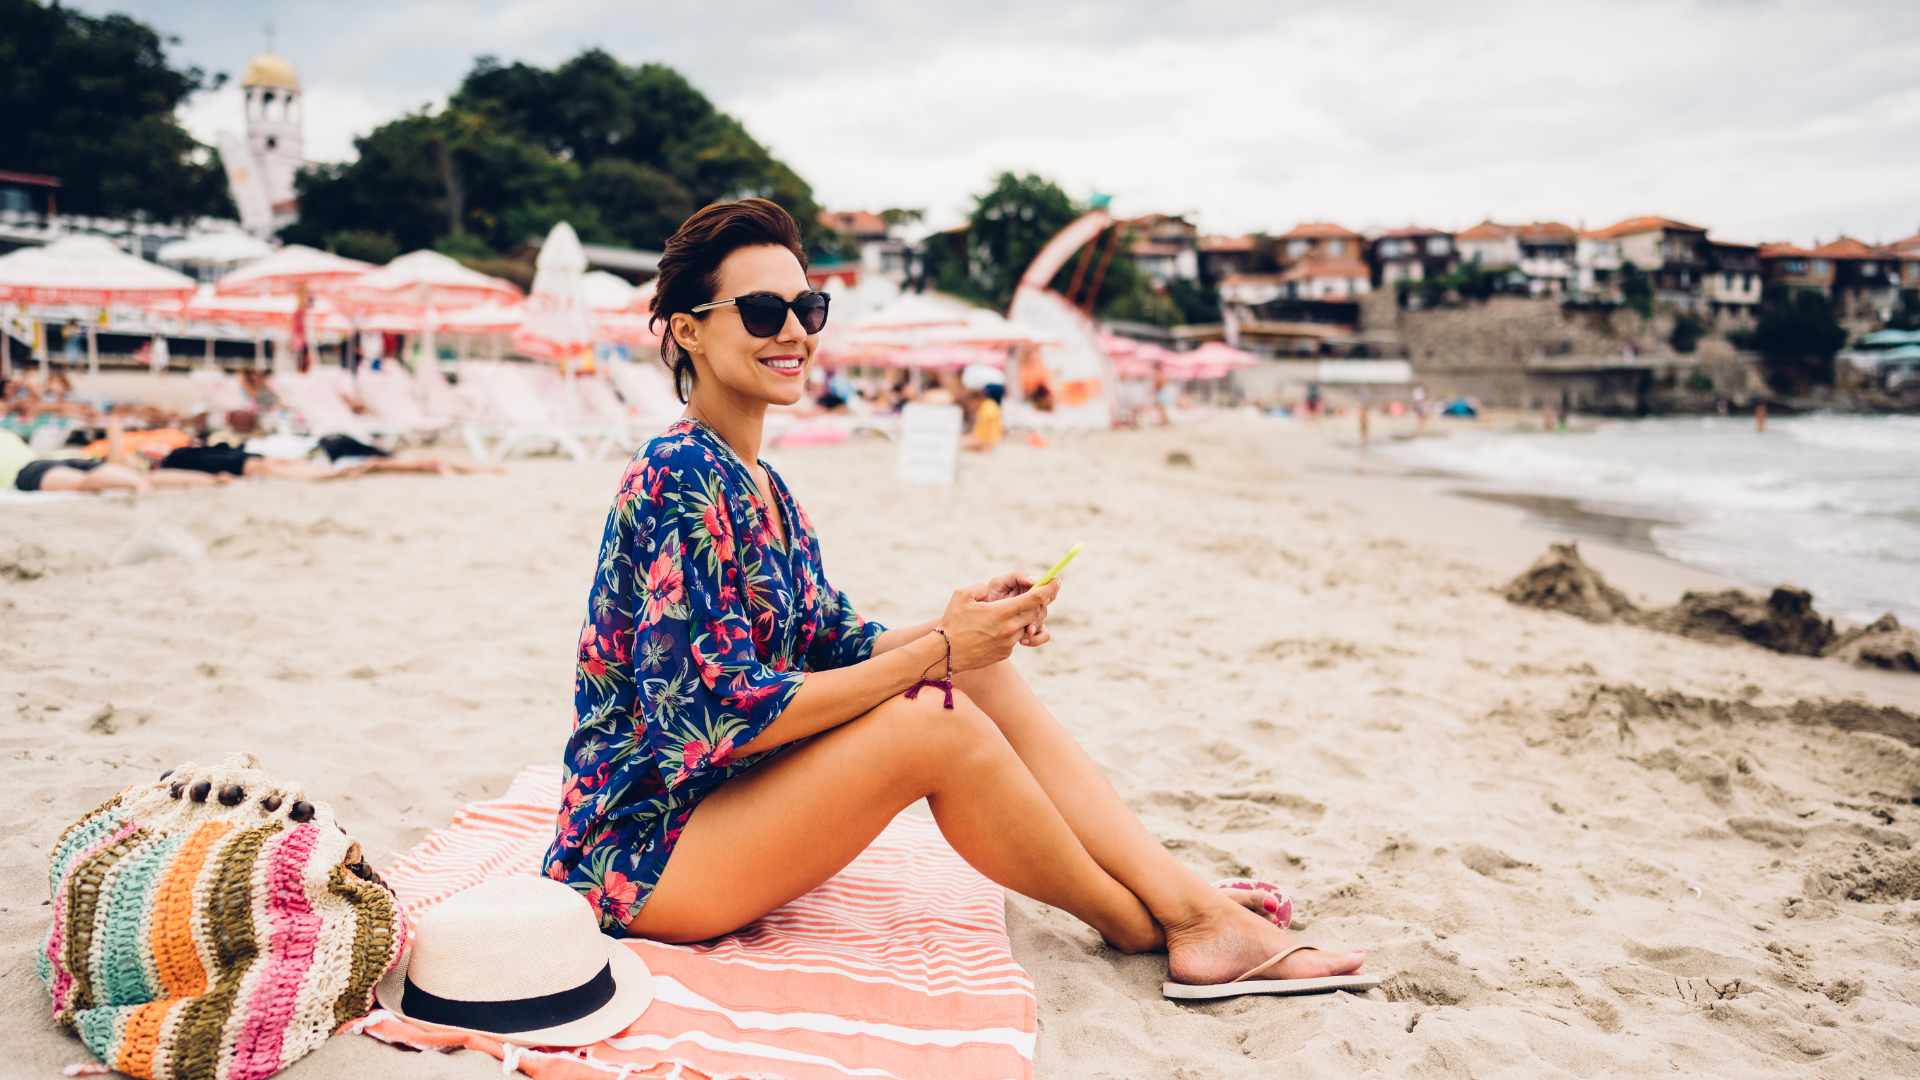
[[1208, 930], [98, 478], [777, 831]]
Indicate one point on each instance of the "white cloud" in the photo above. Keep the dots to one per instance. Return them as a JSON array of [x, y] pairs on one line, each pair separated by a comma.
[[1759, 118]]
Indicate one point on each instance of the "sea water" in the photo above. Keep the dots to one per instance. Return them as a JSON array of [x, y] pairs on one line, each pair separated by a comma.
[[1827, 502]]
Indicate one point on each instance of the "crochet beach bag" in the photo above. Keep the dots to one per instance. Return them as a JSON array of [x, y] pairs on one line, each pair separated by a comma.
[[216, 924]]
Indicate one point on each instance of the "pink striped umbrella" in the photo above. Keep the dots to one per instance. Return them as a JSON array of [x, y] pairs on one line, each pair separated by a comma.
[[284, 271], [87, 270]]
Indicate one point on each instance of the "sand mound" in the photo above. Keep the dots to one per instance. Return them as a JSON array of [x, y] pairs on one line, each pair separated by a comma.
[[1883, 644], [1562, 581], [1784, 622]]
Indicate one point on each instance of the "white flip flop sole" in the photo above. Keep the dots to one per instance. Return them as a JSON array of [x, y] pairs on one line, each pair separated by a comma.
[[1359, 984]]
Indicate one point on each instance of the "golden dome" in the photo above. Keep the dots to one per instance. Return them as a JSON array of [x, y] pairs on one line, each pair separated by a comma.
[[270, 70]]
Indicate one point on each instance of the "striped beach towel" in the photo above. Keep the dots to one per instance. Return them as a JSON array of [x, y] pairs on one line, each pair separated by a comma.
[[897, 967]]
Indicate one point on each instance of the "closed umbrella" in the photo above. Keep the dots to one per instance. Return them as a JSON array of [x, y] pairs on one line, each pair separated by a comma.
[[87, 270]]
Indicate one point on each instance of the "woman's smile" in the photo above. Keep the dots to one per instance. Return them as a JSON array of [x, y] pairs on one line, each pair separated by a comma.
[[785, 363]]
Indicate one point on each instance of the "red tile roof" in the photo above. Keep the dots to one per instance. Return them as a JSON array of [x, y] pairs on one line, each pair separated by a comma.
[[1909, 246], [1320, 230], [1644, 224], [1412, 231], [1487, 230], [1547, 230], [1226, 243], [1148, 247], [1783, 251], [857, 222], [1846, 247], [1308, 269]]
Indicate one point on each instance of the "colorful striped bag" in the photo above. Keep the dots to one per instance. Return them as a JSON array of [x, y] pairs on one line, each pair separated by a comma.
[[213, 925]]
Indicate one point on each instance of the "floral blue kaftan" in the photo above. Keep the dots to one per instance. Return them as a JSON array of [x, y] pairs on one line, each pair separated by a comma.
[[699, 628]]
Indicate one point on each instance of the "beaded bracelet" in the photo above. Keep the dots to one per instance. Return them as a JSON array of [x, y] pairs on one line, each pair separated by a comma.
[[945, 684]]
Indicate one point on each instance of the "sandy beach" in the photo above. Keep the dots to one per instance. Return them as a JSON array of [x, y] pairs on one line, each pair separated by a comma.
[[1571, 849]]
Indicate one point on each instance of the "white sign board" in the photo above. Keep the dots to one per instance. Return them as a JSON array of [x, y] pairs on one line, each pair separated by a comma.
[[929, 444], [1364, 371]]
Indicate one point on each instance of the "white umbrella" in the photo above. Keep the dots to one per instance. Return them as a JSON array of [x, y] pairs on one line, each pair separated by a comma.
[[215, 249], [607, 292], [560, 325], [87, 270], [284, 271]]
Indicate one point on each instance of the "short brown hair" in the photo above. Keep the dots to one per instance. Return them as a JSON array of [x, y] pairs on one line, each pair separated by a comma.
[[690, 267]]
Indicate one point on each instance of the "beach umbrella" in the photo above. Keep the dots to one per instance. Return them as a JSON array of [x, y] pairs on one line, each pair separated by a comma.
[[1216, 352], [421, 284], [284, 271], [215, 249], [607, 292], [944, 357], [559, 325], [87, 270]]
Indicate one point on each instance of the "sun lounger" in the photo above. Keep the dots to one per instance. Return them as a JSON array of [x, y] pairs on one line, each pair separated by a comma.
[[223, 392], [389, 396], [316, 397], [591, 401], [515, 417], [647, 391]]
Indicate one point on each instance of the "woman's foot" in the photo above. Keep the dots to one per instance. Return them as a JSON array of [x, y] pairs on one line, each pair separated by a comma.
[[1258, 897], [1224, 940]]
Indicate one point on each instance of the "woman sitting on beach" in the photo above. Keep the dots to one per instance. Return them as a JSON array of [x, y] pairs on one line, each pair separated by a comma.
[[742, 734]]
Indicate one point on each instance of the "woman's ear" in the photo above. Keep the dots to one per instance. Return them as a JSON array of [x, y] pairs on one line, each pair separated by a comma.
[[685, 330]]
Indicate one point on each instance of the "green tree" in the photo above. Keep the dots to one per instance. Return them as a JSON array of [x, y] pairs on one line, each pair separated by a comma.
[[985, 260], [623, 154], [1687, 332], [1797, 338], [1636, 291], [91, 100]]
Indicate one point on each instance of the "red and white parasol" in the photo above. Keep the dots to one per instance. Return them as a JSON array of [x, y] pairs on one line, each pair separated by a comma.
[[421, 281], [284, 271], [86, 270]]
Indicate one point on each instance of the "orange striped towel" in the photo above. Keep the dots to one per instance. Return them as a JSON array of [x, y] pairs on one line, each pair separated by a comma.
[[897, 967]]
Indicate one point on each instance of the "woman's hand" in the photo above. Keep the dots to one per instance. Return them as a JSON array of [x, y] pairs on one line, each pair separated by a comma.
[[983, 628], [1016, 583]]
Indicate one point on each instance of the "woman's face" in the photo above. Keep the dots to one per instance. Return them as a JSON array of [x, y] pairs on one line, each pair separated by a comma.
[[730, 361]]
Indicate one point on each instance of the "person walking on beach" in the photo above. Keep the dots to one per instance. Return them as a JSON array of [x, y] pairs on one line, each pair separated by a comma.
[[743, 733]]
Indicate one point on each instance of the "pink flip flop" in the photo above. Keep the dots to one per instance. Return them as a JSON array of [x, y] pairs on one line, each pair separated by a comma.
[[1279, 910]]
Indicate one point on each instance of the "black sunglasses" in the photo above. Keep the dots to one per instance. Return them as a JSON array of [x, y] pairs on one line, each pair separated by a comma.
[[763, 314]]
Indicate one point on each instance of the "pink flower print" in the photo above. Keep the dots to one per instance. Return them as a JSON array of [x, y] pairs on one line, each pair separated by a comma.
[[722, 751], [716, 525], [709, 671], [614, 896], [664, 588]]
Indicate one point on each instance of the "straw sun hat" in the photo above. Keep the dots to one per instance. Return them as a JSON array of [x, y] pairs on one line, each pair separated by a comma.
[[520, 959]]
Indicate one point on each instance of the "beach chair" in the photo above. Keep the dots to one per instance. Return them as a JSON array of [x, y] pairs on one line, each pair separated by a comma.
[[515, 417], [440, 398], [316, 397], [590, 403], [647, 391], [390, 397], [222, 391]]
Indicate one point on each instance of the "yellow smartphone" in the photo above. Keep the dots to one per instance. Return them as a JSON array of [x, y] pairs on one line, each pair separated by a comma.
[[1061, 565]]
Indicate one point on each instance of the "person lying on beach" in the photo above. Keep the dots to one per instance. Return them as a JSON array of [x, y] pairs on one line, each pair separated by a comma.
[[347, 452], [22, 470], [743, 733]]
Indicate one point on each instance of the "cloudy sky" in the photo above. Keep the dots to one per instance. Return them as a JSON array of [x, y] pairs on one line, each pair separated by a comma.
[[1761, 119]]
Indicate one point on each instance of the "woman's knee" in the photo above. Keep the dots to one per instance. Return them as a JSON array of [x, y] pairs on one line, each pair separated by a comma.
[[925, 728]]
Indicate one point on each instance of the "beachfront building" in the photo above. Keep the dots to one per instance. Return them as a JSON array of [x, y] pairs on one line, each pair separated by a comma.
[[884, 249], [1537, 258], [1321, 241], [1165, 247], [1733, 281], [1905, 255], [261, 166], [1311, 307], [1795, 267], [1220, 256], [1596, 266], [1671, 253], [1410, 254], [1866, 280]]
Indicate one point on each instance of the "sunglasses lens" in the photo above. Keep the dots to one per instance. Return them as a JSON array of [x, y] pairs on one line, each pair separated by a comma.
[[812, 310], [762, 315]]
